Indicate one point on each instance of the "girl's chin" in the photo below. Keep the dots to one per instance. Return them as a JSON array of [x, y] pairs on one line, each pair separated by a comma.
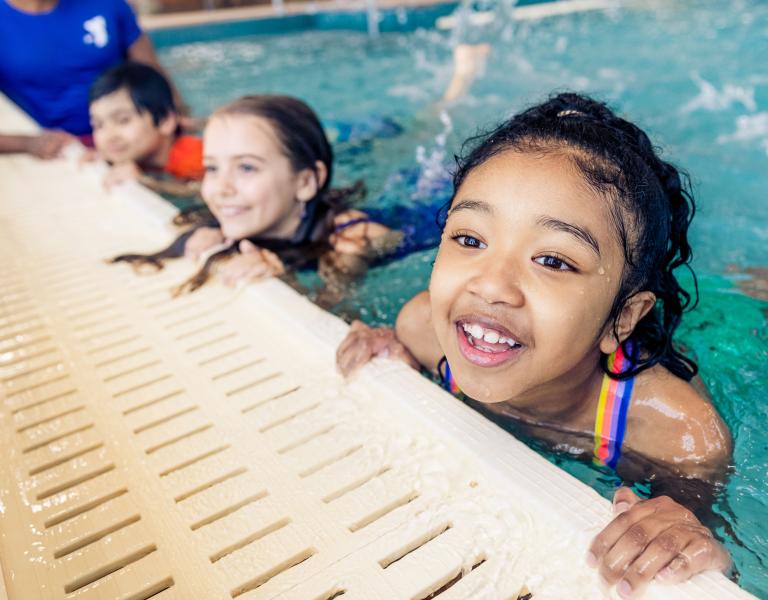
[[236, 233]]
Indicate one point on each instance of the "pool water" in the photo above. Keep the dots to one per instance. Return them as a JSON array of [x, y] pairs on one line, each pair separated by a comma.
[[692, 74]]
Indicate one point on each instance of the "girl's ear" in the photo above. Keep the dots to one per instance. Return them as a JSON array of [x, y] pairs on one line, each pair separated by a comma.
[[311, 181], [634, 309], [168, 124]]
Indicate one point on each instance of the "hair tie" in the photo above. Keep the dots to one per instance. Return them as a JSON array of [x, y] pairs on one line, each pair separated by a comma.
[[571, 112]]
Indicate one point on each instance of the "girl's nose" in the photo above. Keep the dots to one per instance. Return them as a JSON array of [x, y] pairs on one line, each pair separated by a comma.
[[497, 281], [225, 183]]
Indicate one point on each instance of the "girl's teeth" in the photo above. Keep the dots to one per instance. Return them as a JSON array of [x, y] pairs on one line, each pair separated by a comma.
[[491, 336]]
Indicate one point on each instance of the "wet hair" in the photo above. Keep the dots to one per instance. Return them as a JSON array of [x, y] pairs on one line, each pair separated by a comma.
[[148, 89], [650, 203], [303, 141]]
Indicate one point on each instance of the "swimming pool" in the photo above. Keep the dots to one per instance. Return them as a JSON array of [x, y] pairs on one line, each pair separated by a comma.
[[690, 73]]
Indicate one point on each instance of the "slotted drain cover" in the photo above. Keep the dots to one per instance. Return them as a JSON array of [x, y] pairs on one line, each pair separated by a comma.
[[204, 447]]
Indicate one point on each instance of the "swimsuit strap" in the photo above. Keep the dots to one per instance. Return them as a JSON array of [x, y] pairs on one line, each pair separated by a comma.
[[612, 408], [345, 224], [449, 383]]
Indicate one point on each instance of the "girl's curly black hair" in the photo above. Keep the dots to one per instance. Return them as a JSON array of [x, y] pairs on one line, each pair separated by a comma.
[[651, 208], [304, 143]]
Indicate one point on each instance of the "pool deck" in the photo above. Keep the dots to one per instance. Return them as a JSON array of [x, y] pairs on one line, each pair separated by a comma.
[[205, 446], [227, 15]]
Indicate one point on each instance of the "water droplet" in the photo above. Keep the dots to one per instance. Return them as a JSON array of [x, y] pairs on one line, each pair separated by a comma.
[[601, 271]]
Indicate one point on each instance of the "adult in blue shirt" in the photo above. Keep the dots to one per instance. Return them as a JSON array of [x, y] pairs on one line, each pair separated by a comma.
[[51, 51]]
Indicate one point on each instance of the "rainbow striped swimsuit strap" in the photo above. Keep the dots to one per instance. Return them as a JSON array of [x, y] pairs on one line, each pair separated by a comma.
[[612, 408], [449, 383]]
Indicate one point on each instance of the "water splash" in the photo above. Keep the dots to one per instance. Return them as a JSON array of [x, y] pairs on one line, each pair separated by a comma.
[[712, 99], [432, 163]]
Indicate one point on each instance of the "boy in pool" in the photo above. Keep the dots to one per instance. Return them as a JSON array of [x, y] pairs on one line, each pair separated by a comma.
[[136, 130], [553, 303]]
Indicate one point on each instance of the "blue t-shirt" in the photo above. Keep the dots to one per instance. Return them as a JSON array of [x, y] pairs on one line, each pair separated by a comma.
[[48, 61]]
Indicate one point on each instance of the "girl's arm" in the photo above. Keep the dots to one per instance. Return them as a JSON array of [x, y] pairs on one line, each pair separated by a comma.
[[408, 342], [687, 447], [356, 234], [672, 425]]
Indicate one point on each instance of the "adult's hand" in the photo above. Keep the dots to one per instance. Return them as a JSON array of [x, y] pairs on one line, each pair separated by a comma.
[[48, 143]]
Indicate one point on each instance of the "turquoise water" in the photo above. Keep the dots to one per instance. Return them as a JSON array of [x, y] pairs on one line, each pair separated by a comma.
[[690, 73]]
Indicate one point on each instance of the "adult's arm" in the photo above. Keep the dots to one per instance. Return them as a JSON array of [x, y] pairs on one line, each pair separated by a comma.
[[47, 144], [11, 144]]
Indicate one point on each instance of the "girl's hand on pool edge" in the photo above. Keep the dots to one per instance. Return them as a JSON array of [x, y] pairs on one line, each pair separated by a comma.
[[653, 539], [252, 264], [363, 343], [201, 240]]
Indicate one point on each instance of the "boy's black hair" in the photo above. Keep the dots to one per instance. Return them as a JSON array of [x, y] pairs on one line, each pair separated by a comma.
[[651, 208], [147, 87]]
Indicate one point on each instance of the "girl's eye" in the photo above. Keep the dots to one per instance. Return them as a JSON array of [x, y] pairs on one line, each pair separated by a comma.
[[209, 168], [553, 262], [469, 241], [123, 120], [247, 168]]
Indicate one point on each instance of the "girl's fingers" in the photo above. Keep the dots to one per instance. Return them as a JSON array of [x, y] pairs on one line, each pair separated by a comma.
[[657, 535], [623, 499], [658, 553], [257, 272], [273, 261], [343, 359], [355, 356], [346, 343], [383, 338], [701, 553], [605, 540], [232, 272], [248, 247], [240, 273]]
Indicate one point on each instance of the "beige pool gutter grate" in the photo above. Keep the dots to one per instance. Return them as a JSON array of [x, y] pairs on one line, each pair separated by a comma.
[[204, 447]]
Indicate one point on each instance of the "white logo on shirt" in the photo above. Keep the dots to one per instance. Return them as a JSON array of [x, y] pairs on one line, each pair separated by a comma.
[[97, 31]]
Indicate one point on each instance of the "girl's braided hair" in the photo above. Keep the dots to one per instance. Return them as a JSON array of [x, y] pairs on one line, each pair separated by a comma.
[[651, 208]]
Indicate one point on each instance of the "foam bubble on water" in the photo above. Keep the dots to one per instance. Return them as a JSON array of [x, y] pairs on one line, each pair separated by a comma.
[[711, 99], [748, 127]]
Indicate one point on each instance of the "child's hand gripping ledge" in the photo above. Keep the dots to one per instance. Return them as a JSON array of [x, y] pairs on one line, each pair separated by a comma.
[[656, 539], [364, 343]]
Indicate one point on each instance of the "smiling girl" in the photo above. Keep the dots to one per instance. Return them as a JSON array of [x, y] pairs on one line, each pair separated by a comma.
[[553, 303], [270, 206]]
